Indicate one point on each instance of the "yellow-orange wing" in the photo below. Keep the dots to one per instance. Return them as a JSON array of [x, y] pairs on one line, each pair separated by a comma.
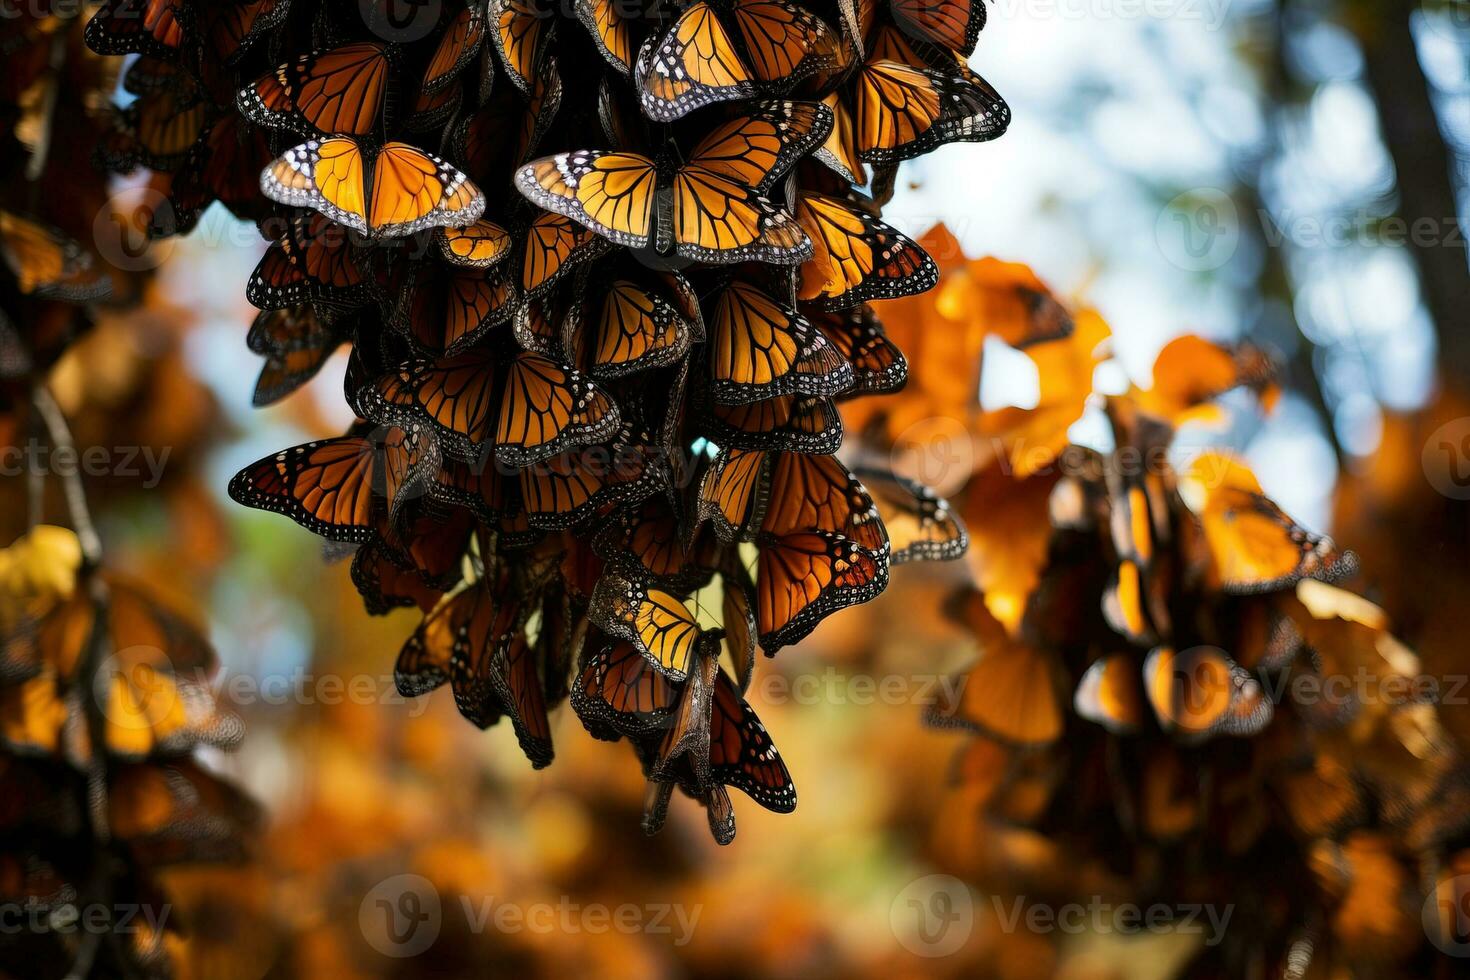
[[610, 193], [410, 190], [546, 408], [903, 111], [334, 92], [760, 348], [695, 64]]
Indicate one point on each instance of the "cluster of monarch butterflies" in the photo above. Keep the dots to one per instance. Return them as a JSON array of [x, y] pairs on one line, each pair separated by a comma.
[[605, 272], [1173, 698]]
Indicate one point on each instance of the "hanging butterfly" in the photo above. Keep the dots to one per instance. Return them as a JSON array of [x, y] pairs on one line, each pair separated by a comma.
[[626, 321], [903, 110], [554, 245], [748, 493], [804, 577], [857, 257], [458, 47], [155, 28], [618, 693], [295, 344], [952, 24], [921, 525], [696, 63], [234, 28], [473, 639], [338, 91], [314, 261], [1254, 545], [760, 348], [408, 190], [339, 488], [878, 366], [717, 209], [531, 407], [521, 30], [786, 423]]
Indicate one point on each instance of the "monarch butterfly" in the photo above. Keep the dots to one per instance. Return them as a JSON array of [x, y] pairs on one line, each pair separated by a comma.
[[338, 488], [234, 28], [1254, 545], [568, 487], [473, 640], [409, 190], [902, 111], [856, 257], [155, 28], [624, 326], [878, 366], [386, 581], [620, 693], [839, 151], [313, 261], [787, 423], [478, 246], [611, 31], [339, 91], [1201, 691], [952, 24], [295, 344], [779, 493], [449, 309], [160, 127], [920, 524], [1190, 372], [696, 62], [457, 48], [537, 407], [718, 211], [804, 577], [741, 753], [760, 348], [47, 264], [647, 543], [521, 32], [656, 622], [555, 244]]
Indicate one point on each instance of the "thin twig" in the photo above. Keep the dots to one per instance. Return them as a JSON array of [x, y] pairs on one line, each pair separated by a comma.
[[59, 434]]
